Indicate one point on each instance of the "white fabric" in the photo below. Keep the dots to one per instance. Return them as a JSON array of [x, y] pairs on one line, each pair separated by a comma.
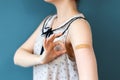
[[62, 68]]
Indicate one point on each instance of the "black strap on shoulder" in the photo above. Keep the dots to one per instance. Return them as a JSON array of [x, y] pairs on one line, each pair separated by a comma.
[[72, 20], [69, 22]]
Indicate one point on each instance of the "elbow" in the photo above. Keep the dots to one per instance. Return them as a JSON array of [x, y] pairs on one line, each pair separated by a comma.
[[17, 60]]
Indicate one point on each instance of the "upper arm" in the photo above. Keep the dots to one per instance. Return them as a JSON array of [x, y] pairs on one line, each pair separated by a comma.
[[80, 33]]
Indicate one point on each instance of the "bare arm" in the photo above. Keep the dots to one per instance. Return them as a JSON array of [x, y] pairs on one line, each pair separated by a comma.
[[24, 55], [80, 34]]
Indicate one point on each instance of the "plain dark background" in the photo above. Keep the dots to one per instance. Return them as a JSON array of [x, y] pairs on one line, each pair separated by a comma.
[[19, 18]]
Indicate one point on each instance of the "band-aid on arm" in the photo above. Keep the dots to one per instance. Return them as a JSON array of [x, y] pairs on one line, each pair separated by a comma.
[[79, 46]]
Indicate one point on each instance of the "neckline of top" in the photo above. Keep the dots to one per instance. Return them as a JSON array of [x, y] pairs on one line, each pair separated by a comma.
[[55, 15]]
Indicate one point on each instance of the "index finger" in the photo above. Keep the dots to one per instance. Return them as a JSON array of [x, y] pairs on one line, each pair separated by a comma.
[[58, 35], [53, 36]]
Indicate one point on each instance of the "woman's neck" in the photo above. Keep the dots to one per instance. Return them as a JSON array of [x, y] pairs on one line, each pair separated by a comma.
[[65, 10]]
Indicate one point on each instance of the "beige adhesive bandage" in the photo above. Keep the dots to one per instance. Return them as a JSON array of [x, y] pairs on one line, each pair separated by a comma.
[[82, 46]]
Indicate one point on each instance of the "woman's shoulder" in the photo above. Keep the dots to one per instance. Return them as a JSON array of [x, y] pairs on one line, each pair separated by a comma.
[[80, 24], [80, 30]]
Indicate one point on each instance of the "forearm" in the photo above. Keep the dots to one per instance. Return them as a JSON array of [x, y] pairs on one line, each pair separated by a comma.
[[26, 59]]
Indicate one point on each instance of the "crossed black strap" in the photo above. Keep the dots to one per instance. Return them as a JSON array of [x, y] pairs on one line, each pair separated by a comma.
[[47, 31]]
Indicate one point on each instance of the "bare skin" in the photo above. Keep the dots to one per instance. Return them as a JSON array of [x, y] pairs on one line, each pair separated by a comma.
[[79, 33]]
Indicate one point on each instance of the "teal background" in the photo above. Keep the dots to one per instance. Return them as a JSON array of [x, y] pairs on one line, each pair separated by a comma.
[[19, 18]]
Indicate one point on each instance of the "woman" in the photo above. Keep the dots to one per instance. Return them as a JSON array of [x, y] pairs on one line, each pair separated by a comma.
[[61, 47]]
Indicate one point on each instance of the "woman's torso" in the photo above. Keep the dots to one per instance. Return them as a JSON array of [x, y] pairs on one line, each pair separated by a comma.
[[61, 68]]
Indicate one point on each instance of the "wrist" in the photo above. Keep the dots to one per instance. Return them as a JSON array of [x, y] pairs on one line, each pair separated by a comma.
[[43, 59]]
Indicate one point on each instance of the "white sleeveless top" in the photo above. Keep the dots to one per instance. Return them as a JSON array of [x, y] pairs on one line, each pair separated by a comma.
[[61, 68]]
